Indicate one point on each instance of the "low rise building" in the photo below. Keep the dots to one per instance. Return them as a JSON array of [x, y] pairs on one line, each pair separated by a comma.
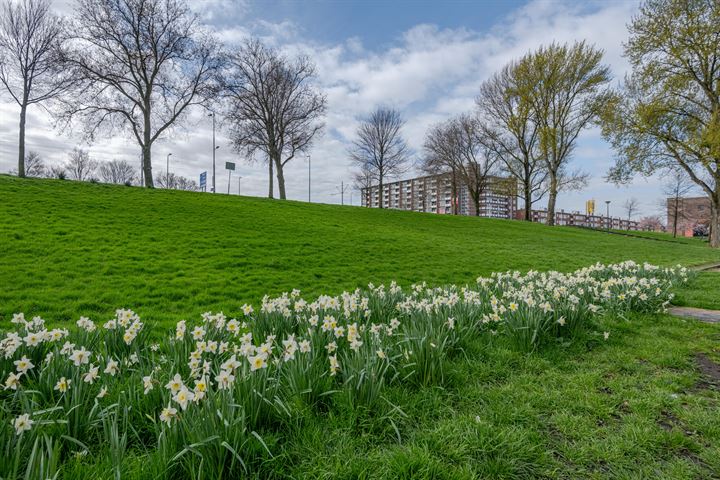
[[685, 214], [434, 194]]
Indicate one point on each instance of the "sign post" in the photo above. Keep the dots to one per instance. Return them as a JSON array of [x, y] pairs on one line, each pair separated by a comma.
[[203, 181], [229, 166]]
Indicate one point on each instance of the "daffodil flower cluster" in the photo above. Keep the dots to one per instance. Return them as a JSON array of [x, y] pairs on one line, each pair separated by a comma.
[[294, 350]]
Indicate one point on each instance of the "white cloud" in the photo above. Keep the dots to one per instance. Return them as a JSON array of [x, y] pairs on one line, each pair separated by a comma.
[[429, 73]]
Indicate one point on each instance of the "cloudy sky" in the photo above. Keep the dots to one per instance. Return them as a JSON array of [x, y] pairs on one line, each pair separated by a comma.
[[426, 58]]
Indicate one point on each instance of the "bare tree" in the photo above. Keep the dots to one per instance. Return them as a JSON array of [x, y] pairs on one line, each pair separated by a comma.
[[274, 108], [476, 166], [677, 186], [34, 166], [30, 42], [651, 224], [80, 166], [175, 182], [380, 148], [184, 183], [141, 64], [117, 171], [511, 134], [566, 87], [631, 207], [442, 154], [58, 171]]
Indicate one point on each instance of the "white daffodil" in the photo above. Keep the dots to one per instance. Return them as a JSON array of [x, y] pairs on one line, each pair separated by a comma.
[[22, 423], [23, 365]]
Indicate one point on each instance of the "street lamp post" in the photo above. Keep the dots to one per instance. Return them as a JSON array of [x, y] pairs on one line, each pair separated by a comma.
[[167, 171], [214, 148], [607, 203], [239, 178]]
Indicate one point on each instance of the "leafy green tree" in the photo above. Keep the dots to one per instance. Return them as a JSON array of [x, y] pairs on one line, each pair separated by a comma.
[[667, 115], [566, 87]]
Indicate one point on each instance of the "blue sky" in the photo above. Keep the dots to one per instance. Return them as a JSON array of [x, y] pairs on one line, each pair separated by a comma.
[[425, 58]]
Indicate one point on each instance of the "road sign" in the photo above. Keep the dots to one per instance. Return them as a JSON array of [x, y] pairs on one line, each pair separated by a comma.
[[203, 181], [229, 166]]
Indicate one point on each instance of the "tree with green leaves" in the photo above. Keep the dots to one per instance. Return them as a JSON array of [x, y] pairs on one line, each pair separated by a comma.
[[667, 114], [566, 86]]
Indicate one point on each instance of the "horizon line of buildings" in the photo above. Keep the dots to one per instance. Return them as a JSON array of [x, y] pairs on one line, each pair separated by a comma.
[[434, 194]]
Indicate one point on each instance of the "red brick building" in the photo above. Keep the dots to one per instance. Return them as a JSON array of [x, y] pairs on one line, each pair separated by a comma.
[[689, 212]]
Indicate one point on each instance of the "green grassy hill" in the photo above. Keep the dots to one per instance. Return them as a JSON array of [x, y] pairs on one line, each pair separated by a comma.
[[71, 249]]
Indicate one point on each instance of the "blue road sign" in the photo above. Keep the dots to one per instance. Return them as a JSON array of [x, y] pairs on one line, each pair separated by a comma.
[[203, 180]]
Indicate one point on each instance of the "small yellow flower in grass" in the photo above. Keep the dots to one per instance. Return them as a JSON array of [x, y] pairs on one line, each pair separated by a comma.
[[257, 362], [183, 396], [32, 339], [247, 309], [175, 384], [103, 392], [381, 354], [63, 385], [513, 307], [198, 333], [168, 414], [606, 335], [23, 423], [304, 346], [12, 381], [561, 321], [331, 347], [23, 365]]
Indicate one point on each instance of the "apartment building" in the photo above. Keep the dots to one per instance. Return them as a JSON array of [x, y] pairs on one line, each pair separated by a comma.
[[577, 219], [434, 194]]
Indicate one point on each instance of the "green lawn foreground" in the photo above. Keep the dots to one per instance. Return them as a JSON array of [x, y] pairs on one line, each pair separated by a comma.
[[634, 406], [72, 249]]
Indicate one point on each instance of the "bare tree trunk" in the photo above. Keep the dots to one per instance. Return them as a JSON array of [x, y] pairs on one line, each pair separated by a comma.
[[147, 165], [380, 192], [675, 216], [476, 200], [280, 179], [147, 145], [21, 142], [270, 178], [552, 198], [527, 197]]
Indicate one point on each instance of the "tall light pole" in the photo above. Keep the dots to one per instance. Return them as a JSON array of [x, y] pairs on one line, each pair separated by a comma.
[[239, 178], [214, 148], [167, 171], [607, 203], [308, 159]]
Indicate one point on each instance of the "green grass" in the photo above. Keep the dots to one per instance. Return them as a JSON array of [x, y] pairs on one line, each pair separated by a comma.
[[634, 406], [72, 249], [631, 407], [665, 237], [703, 293]]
